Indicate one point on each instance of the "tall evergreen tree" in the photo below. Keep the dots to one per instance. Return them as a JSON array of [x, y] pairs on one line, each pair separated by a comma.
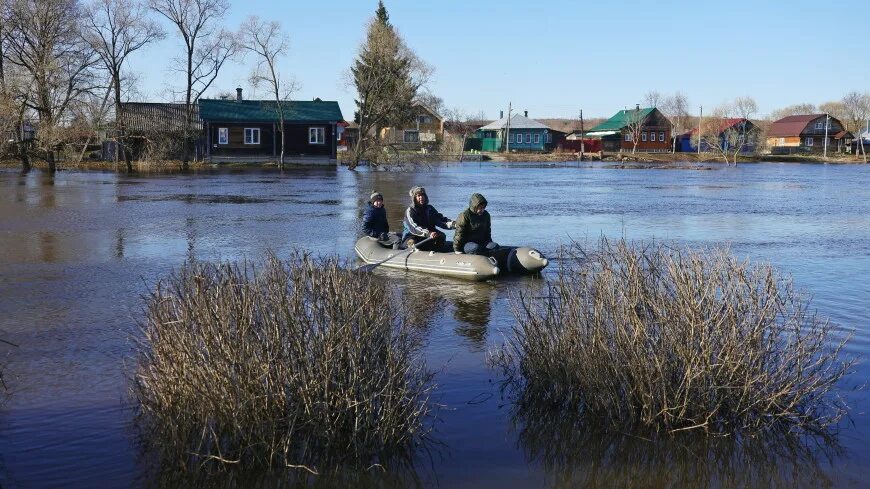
[[387, 75]]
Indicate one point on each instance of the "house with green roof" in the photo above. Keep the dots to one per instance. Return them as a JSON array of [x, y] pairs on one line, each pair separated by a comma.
[[639, 129], [235, 129]]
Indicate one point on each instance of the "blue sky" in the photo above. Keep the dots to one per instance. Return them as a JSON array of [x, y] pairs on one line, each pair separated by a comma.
[[554, 58]]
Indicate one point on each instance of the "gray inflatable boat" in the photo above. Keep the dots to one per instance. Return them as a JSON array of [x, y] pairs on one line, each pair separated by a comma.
[[504, 260]]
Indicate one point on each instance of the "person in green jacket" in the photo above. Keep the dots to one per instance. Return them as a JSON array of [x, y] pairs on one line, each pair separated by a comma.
[[473, 228]]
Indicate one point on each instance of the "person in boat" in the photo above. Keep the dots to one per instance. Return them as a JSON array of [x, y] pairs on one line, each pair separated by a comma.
[[375, 218], [421, 221], [474, 228]]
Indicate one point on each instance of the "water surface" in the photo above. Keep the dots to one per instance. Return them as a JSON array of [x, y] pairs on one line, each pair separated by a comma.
[[80, 249]]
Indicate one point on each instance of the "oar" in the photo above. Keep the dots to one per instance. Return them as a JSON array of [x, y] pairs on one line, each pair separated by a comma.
[[371, 266]]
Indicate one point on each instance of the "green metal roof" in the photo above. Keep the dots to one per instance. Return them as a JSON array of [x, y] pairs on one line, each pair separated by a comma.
[[266, 110], [622, 118]]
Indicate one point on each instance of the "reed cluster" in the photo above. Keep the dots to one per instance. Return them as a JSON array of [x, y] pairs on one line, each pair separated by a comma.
[[666, 339], [302, 363]]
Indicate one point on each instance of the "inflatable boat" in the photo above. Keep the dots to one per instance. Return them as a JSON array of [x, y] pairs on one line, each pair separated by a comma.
[[504, 260]]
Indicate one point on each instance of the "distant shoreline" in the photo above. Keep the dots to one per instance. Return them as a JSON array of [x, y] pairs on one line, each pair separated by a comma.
[[646, 159]]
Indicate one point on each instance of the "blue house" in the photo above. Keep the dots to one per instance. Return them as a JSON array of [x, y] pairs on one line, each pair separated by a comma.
[[518, 134]]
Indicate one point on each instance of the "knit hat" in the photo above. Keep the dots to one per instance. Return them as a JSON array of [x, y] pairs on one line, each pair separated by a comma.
[[416, 190], [375, 195]]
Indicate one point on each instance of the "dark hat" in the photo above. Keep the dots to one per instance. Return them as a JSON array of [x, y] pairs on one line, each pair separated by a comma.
[[375, 195]]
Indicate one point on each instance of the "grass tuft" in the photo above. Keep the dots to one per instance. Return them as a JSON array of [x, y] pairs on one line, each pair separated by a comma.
[[303, 364], [649, 336]]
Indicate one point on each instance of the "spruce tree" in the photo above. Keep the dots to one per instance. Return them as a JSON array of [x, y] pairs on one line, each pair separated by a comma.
[[385, 81]]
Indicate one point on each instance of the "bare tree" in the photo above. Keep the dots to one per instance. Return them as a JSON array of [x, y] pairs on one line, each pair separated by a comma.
[[429, 99], [676, 109], [387, 75], [268, 43], [115, 29], [206, 49], [729, 130], [836, 109], [653, 98], [44, 42], [461, 127], [634, 122], [857, 111], [796, 109]]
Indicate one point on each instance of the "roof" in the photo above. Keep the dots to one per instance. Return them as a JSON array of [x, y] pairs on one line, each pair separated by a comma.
[[266, 110], [792, 125], [518, 121], [429, 109], [622, 119], [145, 117]]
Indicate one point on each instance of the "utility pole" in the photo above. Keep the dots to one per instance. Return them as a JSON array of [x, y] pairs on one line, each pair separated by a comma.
[[827, 118], [700, 117], [582, 134], [507, 131]]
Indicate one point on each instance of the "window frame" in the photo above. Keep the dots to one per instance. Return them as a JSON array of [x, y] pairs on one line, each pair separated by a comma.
[[223, 135], [628, 137], [808, 141], [643, 136], [661, 136], [537, 138], [319, 134], [251, 131], [407, 133], [549, 138], [519, 138]]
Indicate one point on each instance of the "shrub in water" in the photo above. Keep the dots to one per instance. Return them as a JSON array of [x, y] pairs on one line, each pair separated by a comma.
[[668, 339], [304, 363]]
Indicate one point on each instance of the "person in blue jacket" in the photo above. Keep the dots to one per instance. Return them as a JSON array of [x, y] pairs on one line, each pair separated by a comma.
[[421, 221], [375, 218]]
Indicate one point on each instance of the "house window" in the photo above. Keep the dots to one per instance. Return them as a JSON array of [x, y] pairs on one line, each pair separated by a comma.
[[809, 141], [819, 125], [537, 139], [549, 138], [411, 137], [528, 138], [424, 119], [628, 136], [252, 135], [643, 136], [519, 138], [223, 135], [316, 135], [662, 136]]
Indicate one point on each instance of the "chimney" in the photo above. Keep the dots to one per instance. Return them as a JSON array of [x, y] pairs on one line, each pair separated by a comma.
[[239, 94], [637, 107], [501, 114], [525, 113]]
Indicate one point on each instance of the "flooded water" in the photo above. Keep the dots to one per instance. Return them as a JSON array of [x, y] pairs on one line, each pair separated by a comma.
[[78, 251]]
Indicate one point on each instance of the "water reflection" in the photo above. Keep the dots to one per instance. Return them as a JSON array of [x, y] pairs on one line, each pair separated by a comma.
[[575, 453], [374, 477]]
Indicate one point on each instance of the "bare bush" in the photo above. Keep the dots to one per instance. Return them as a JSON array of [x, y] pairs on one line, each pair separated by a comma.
[[666, 339], [304, 364]]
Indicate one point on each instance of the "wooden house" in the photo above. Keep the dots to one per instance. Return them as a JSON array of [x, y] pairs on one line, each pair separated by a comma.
[[648, 125], [248, 129], [425, 131], [518, 134], [806, 134], [728, 130]]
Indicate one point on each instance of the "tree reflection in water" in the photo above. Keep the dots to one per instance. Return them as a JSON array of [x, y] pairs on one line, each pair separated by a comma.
[[574, 453]]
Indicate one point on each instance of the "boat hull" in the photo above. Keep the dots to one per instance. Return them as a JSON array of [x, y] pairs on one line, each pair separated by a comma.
[[467, 267]]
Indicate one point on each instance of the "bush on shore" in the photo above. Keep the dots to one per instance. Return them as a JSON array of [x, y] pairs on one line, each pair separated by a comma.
[[303, 363], [653, 337]]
